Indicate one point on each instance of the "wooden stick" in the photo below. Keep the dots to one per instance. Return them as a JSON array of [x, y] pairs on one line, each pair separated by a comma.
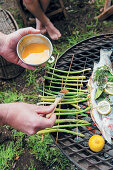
[[107, 4], [105, 14]]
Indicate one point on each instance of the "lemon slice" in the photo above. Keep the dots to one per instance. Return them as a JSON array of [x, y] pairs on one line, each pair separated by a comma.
[[104, 107], [109, 88]]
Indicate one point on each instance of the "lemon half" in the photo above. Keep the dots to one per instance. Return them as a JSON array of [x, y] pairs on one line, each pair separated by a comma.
[[104, 107], [109, 88]]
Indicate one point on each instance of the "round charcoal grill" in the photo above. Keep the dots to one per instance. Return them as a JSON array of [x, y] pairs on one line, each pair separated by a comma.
[[77, 151]]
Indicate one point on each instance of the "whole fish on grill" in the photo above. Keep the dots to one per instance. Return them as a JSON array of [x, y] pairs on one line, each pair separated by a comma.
[[101, 75]]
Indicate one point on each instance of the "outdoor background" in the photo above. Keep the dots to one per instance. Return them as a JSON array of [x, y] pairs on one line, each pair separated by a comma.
[[17, 150]]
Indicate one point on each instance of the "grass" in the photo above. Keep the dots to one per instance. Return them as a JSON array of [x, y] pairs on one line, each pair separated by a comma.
[[6, 155], [47, 152], [43, 150], [10, 96], [34, 144]]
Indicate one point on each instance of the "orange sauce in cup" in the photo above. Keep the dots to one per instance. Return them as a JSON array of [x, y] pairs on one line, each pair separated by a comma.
[[35, 53]]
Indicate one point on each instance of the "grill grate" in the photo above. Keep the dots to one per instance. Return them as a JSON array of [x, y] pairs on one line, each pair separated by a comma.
[[85, 53]]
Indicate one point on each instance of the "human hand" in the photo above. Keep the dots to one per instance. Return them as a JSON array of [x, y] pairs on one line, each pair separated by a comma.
[[9, 42], [27, 118]]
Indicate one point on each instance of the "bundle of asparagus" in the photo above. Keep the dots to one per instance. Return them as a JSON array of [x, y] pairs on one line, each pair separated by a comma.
[[75, 83]]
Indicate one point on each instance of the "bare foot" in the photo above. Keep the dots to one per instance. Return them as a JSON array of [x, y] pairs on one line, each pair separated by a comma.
[[52, 31], [40, 27]]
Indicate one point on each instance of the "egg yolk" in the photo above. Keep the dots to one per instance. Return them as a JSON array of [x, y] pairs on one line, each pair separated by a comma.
[[35, 53]]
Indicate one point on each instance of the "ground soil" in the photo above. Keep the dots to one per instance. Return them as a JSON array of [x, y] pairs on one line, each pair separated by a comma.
[[77, 12]]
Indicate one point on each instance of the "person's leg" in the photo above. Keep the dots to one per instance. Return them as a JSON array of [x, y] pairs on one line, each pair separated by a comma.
[[52, 31], [40, 27], [34, 7], [44, 4]]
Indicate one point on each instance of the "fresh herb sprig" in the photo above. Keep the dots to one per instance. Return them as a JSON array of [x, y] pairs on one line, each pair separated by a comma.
[[100, 76]]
